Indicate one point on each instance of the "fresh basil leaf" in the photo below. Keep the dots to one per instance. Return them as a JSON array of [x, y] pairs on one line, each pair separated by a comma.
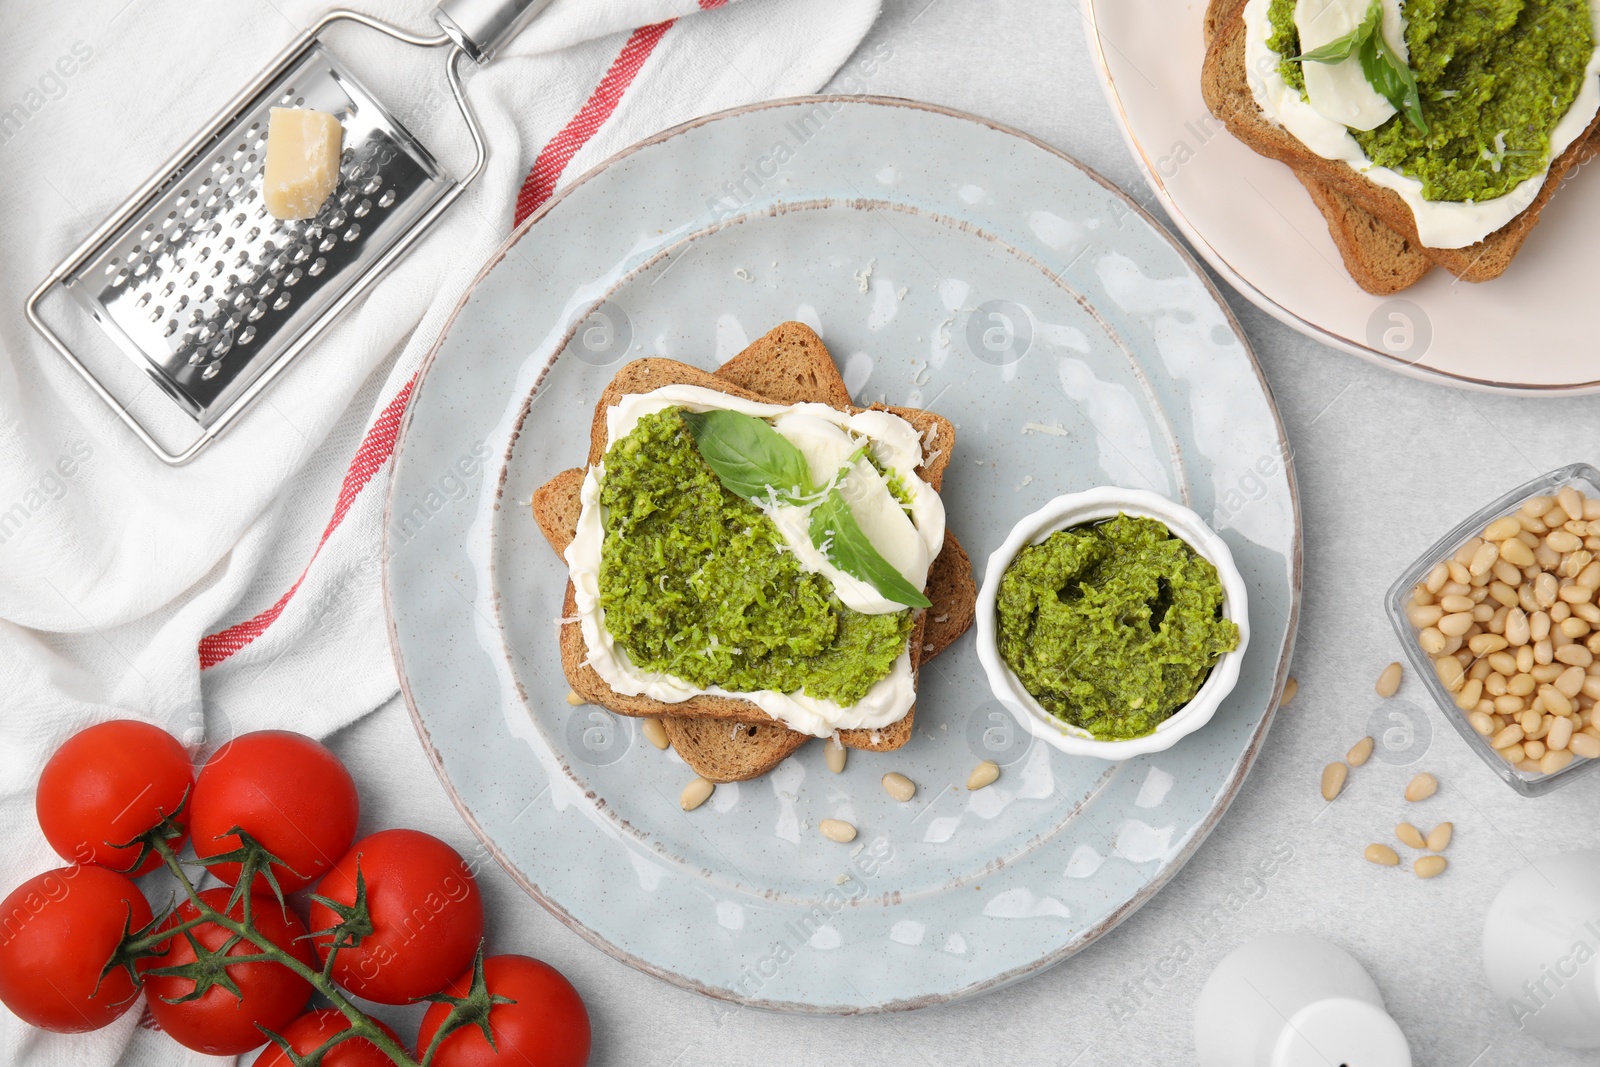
[[1335, 51], [1392, 79], [836, 533], [749, 457], [1342, 48]]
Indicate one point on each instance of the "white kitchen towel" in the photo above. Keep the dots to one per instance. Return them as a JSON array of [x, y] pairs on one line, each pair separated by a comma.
[[120, 578]]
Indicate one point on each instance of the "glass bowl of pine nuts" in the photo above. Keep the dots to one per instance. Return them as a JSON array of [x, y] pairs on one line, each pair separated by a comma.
[[1501, 620]]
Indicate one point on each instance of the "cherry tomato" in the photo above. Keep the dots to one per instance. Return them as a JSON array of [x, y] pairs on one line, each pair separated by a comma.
[[107, 785], [307, 1033], [548, 1025], [426, 914], [286, 791], [56, 932], [217, 1022]]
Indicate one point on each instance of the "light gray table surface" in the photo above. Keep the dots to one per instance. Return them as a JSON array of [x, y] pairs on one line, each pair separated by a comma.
[[1385, 464]]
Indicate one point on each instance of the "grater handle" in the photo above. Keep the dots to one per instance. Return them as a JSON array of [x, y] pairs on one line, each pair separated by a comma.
[[482, 27]]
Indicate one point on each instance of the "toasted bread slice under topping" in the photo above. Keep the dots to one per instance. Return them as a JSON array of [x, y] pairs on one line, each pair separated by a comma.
[[1350, 203], [788, 365]]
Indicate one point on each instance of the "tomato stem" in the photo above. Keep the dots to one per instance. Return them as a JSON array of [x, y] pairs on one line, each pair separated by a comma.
[[361, 1025]]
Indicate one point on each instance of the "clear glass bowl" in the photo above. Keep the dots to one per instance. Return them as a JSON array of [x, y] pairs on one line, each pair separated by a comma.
[[1582, 477]]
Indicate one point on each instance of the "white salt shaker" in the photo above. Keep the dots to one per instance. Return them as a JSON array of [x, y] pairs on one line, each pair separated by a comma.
[[1293, 1000], [1541, 942]]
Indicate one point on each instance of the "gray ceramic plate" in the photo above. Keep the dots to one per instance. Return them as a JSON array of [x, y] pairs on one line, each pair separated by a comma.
[[949, 264]]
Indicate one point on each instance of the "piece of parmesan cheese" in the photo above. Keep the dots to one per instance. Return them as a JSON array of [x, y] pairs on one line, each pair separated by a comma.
[[302, 165]]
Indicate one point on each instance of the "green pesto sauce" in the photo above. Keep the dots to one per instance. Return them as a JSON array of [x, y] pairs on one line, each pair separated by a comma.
[[699, 584], [1113, 627], [1495, 77]]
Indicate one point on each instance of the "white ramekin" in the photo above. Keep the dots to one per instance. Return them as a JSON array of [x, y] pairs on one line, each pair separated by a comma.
[[1077, 509]]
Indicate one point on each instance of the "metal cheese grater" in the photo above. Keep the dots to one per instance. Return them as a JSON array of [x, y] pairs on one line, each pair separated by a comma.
[[213, 297]]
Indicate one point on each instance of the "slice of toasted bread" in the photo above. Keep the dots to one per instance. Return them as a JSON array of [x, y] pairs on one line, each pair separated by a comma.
[[1378, 259], [1226, 88], [790, 364]]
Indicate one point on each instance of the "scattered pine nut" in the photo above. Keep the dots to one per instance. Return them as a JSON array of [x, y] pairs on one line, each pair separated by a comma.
[[1359, 752], [834, 754], [1290, 688], [1382, 855], [837, 830], [1430, 866], [899, 786], [655, 732], [574, 699], [1333, 776], [983, 774], [696, 793], [1409, 835], [1422, 787], [1439, 837], [1389, 680]]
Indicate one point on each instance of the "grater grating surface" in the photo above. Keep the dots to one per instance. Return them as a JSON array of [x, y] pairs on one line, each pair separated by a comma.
[[206, 291]]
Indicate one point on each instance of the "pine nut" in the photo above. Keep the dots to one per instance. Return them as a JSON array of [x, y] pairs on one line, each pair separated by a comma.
[[1333, 777], [1562, 541], [1560, 735], [1570, 682], [1513, 755], [1432, 641], [1455, 603], [1422, 787], [1533, 750], [1438, 576], [1502, 528], [574, 699], [1508, 575], [1465, 553], [695, 794], [1554, 761], [1450, 672], [1537, 505], [899, 786], [1585, 745], [1485, 644], [1506, 738], [1573, 628], [837, 830], [1389, 680], [1359, 752], [1574, 655], [1571, 501], [1382, 855], [1525, 659], [1502, 593], [1516, 627], [1504, 663], [655, 732], [1430, 866], [1484, 559], [1409, 835], [1514, 552], [1482, 723], [1539, 625], [1457, 624], [833, 754], [1439, 837], [1290, 688], [1545, 588], [1471, 693], [983, 774], [1426, 614]]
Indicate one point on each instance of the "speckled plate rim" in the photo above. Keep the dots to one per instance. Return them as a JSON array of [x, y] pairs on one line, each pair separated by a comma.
[[1226, 794], [1313, 330]]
